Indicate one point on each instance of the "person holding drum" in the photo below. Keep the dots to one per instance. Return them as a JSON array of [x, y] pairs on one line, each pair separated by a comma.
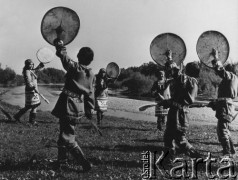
[[224, 106], [161, 90], [75, 101], [32, 99], [103, 78], [185, 90], [101, 94]]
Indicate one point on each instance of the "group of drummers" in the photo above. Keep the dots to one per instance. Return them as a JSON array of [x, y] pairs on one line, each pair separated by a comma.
[[174, 92]]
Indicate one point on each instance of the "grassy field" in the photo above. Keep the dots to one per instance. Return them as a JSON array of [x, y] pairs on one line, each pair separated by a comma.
[[29, 152]]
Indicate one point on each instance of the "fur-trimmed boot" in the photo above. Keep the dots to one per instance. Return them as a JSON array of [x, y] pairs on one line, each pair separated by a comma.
[[77, 153]]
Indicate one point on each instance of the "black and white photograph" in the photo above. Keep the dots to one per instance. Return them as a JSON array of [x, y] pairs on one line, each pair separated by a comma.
[[118, 89]]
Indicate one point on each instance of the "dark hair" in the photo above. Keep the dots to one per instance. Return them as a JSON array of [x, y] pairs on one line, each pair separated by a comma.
[[230, 67], [85, 56], [192, 69], [27, 63], [102, 70]]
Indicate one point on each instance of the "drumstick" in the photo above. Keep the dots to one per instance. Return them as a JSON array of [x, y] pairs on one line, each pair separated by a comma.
[[43, 97]]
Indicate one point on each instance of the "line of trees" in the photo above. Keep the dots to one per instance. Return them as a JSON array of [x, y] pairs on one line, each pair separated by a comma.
[[139, 80], [8, 77], [135, 81]]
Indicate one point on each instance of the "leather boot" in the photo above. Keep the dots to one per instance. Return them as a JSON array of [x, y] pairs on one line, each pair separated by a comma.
[[77, 153], [98, 117], [233, 151], [170, 155], [159, 124], [18, 115], [193, 153], [32, 118], [62, 154], [226, 147]]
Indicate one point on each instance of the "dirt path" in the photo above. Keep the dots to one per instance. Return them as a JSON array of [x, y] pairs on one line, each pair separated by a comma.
[[129, 109], [118, 107]]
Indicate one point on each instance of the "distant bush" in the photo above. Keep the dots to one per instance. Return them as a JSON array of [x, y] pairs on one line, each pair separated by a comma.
[[48, 75], [51, 75], [138, 80], [18, 81], [138, 83], [7, 75]]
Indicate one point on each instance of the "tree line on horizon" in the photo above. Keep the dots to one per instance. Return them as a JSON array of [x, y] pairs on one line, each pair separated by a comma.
[[45, 76], [139, 80], [135, 81]]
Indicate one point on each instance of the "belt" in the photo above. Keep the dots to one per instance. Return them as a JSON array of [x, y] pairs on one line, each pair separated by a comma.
[[72, 94], [175, 104], [224, 99], [227, 100]]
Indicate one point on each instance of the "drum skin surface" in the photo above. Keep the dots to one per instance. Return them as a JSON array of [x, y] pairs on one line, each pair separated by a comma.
[[60, 22], [112, 70], [164, 42], [208, 41]]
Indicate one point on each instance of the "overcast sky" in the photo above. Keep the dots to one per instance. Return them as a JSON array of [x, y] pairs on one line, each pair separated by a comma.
[[117, 30]]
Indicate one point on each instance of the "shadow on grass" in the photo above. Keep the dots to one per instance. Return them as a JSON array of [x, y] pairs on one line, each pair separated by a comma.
[[37, 165], [7, 121], [88, 126], [204, 142], [72, 166], [47, 122], [126, 148], [123, 128], [117, 163], [150, 140]]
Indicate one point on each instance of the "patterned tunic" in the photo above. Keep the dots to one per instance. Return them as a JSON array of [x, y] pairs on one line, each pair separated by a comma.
[[31, 97], [101, 93]]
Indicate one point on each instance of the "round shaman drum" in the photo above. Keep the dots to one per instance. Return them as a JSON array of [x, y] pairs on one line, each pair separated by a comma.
[[60, 22], [208, 41], [162, 43], [45, 55], [112, 70]]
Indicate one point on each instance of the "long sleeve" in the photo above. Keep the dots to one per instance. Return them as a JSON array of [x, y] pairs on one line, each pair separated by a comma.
[[39, 67], [28, 80], [154, 89], [223, 73], [229, 84], [186, 89], [192, 91], [67, 62]]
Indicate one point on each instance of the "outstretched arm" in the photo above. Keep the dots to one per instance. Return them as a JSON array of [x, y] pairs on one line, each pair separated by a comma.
[[61, 52], [218, 67], [40, 66]]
